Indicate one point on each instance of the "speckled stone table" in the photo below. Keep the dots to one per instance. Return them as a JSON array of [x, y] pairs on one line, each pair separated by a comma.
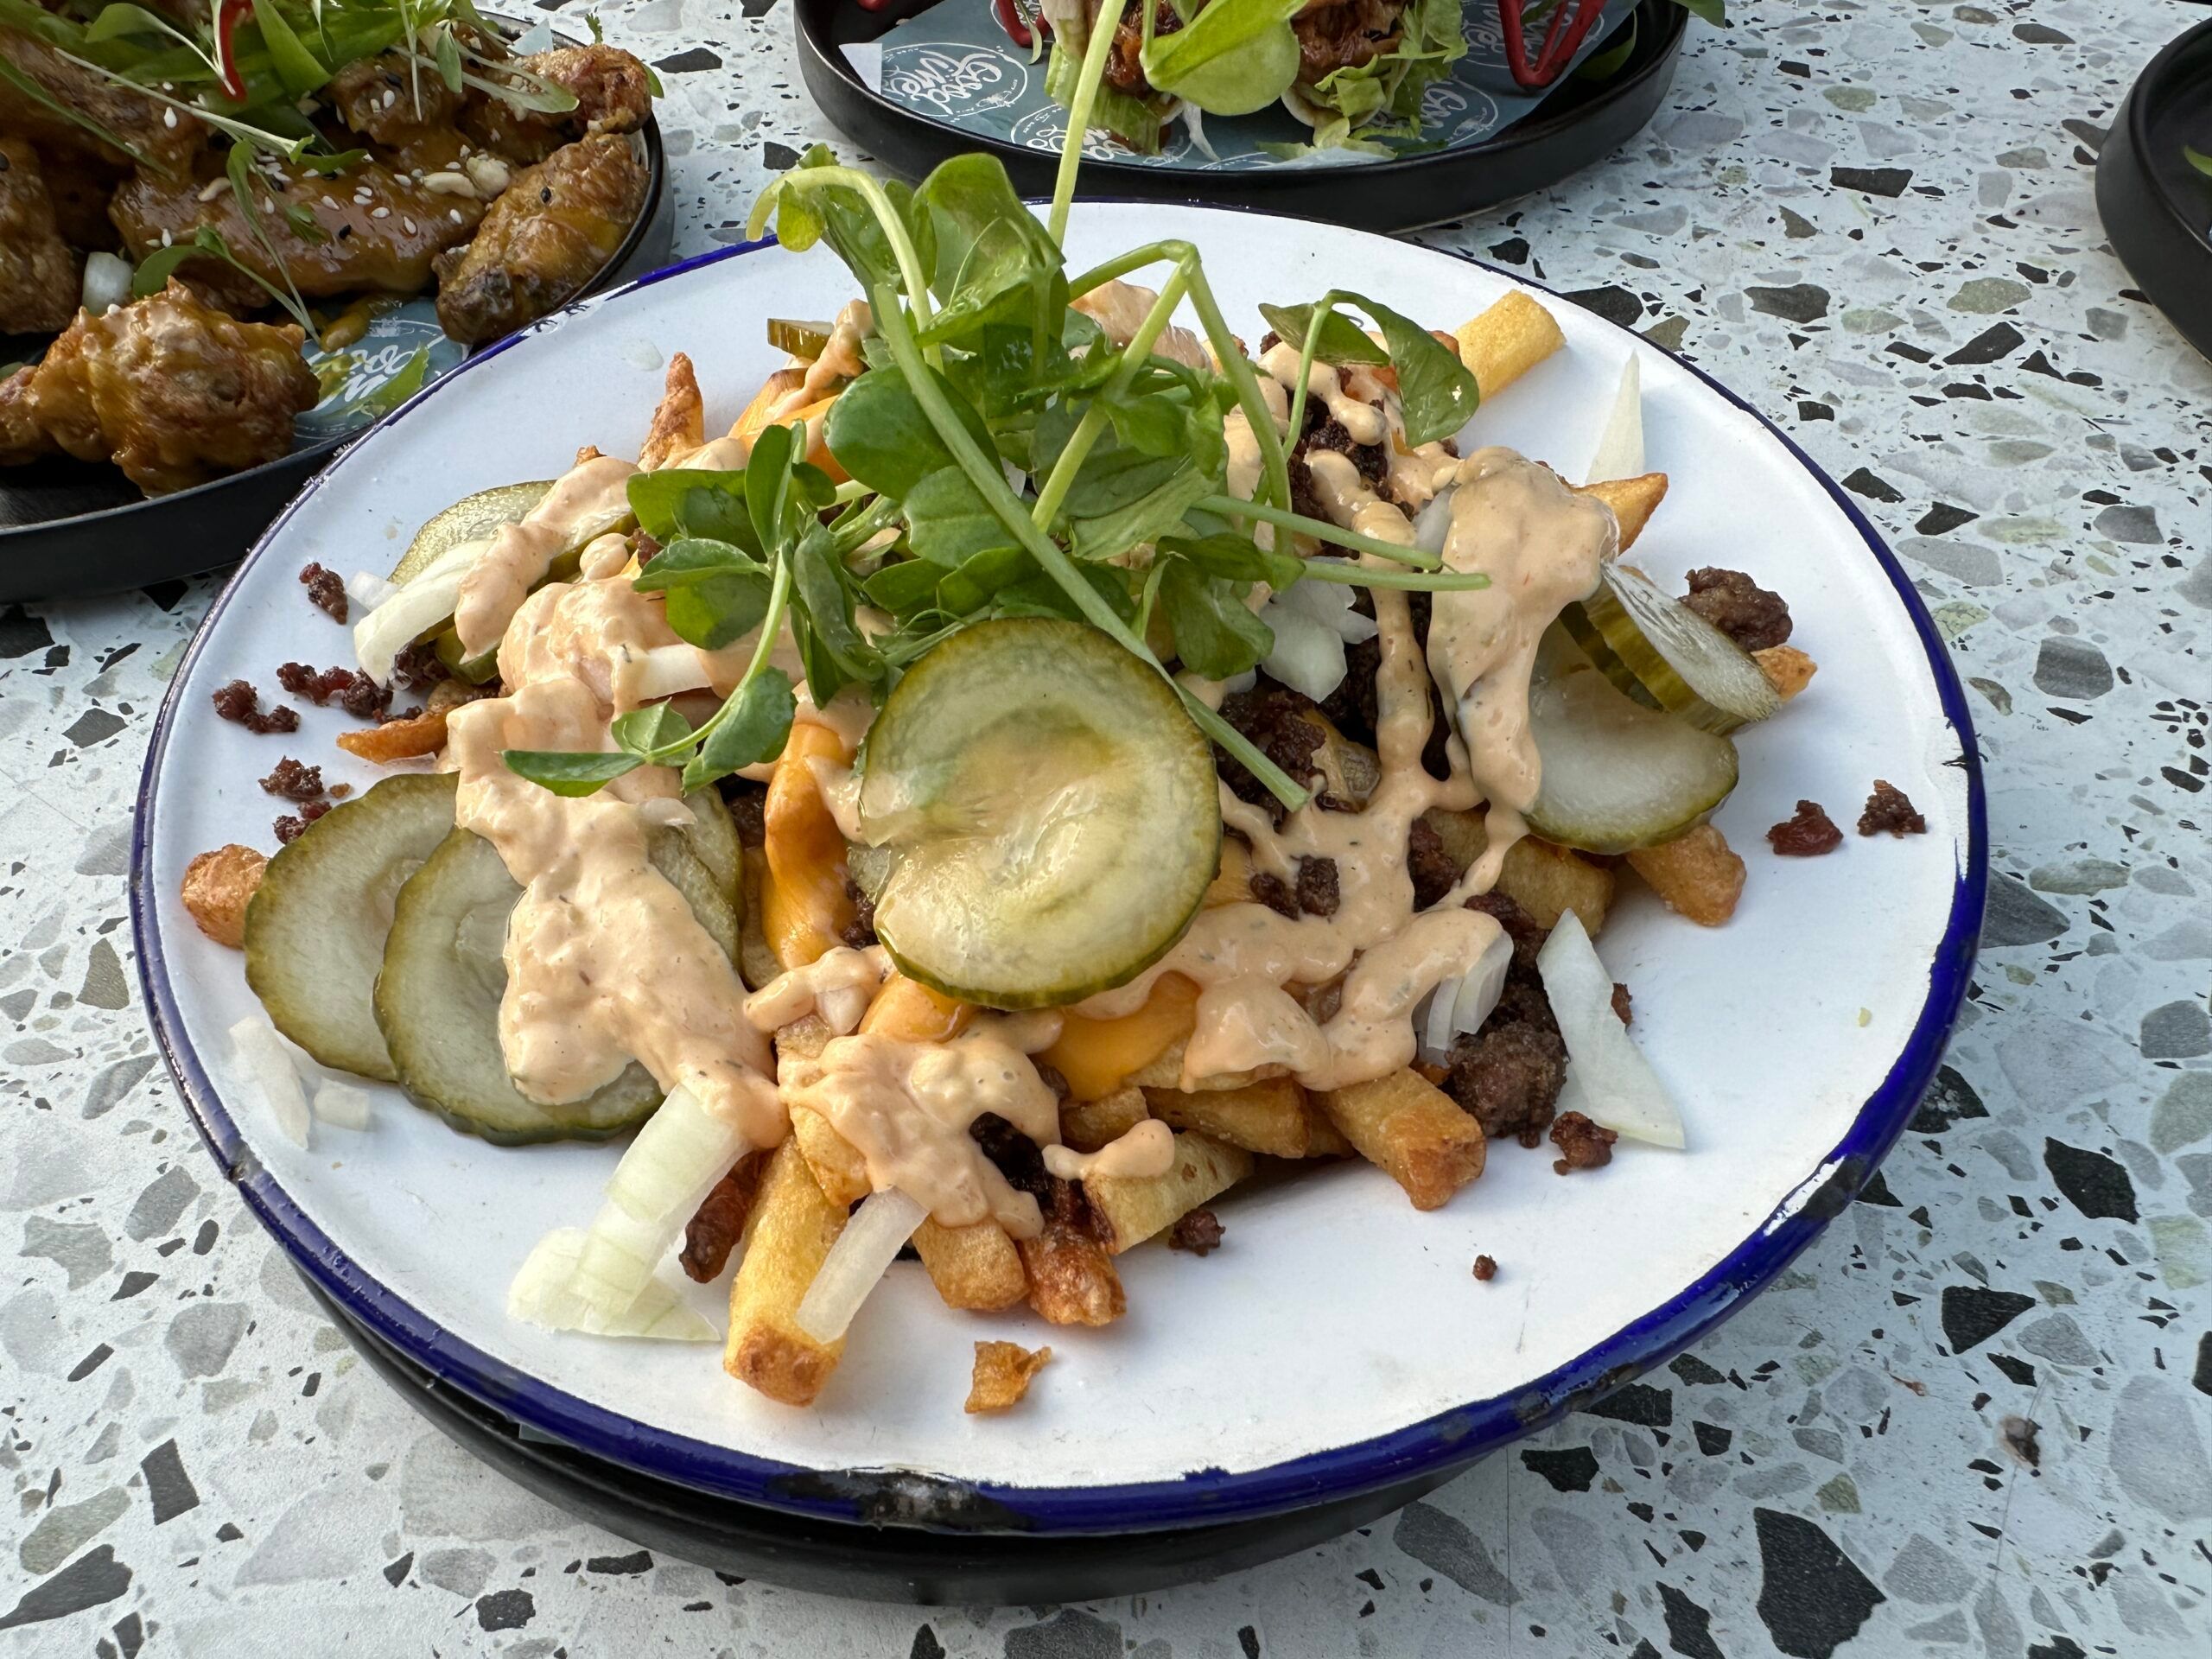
[[1972, 1419]]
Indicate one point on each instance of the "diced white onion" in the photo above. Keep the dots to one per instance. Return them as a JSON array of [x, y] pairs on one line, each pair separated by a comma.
[[1608, 1079], [1620, 446], [1463, 1003], [545, 1292], [1308, 657], [268, 1065], [342, 1105], [862, 1254], [1329, 603], [107, 283], [422, 604], [668, 671], [368, 590], [1433, 524]]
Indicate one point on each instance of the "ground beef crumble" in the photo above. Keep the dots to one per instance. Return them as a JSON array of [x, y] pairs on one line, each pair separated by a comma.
[[1274, 717], [326, 591], [1485, 1268], [860, 932], [1430, 866], [1624, 1004], [1582, 1144], [239, 702], [1806, 833], [748, 809], [350, 689], [1317, 887], [1748, 613], [1888, 809], [1198, 1232], [291, 827], [293, 780], [1508, 1075], [416, 667]]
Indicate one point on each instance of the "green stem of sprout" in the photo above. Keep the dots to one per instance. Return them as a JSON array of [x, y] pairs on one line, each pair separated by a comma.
[[1321, 531], [1095, 54], [1093, 419]]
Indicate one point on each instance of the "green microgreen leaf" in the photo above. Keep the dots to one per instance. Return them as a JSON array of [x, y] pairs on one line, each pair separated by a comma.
[[1216, 634], [655, 727], [750, 728], [1235, 559], [679, 502], [569, 773], [296, 67], [1341, 341]]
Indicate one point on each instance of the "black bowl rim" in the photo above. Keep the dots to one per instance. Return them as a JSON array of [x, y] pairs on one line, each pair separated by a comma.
[[118, 516], [1448, 1440], [1669, 25], [2153, 80]]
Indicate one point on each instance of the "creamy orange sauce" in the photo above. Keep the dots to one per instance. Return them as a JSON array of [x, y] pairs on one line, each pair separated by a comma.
[[838, 985], [1145, 1149], [592, 498], [841, 360]]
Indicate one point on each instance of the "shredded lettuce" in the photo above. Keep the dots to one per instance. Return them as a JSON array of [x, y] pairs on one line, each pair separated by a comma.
[[1135, 121]]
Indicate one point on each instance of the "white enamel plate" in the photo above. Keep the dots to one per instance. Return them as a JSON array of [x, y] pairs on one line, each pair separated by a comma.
[[1338, 1342]]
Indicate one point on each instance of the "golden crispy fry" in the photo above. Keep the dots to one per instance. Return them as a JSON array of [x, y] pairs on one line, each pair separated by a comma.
[[804, 908], [1506, 342], [756, 959], [790, 1231], [1096, 1057], [1232, 882], [1462, 833], [397, 739], [839, 1169], [1413, 1131], [1633, 501], [1129, 1208], [1323, 1138], [1087, 1125], [975, 1266], [1072, 1279], [680, 423], [1268, 1117], [218, 887], [1003, 1373], [1546, 880], [1165, 1071], [754, 419], [806, 1036], [1696, 875], [1788, 670]]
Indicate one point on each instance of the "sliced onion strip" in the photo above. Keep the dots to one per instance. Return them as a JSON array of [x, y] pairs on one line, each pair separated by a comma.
[[268, 1067], [861, 1255], [1608, 1079]]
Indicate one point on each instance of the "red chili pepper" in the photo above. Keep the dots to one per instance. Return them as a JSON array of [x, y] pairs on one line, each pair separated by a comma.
[[1559, 43], [1010, 19], [228, 14]]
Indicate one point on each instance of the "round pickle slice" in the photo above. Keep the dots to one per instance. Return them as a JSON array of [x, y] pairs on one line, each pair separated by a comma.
[[1666, 656], [315, 932], [1049, 811], [1618, 775], [475, 518]]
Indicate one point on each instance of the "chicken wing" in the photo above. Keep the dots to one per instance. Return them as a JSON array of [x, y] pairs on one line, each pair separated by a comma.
[[131, 126], [38, 273], [174, 392], [387, 103], [552, 230], [374, 229], [613, 90]]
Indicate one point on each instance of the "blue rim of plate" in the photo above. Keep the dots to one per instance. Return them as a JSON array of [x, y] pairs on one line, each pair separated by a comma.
[[1446, 1441]]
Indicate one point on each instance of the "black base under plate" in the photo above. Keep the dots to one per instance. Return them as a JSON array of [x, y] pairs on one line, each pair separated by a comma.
[[69, 528], [880, 1563], [1580, 124], [2155, 207]]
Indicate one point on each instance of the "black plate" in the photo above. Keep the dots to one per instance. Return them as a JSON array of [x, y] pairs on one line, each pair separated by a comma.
[[71, 527], [2157, 208], [882, 1562], [1580, 124]]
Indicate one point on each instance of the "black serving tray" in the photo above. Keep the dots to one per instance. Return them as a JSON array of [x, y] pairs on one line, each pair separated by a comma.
[[1580, 124], [71, 527], [2155, 207], [982, 1567]]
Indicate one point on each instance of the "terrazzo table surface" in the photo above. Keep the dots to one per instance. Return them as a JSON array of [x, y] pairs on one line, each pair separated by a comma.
[[1971, 1420]]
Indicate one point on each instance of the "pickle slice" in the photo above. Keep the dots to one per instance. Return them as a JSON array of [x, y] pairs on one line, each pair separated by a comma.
[[806, 340], [1666, 656], [475, 518], [315, 932], [1618, 775], [712, 836], [1051, 814]]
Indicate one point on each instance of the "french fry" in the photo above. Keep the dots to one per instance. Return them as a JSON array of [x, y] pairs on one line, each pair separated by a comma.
[[1096, 1057], [1697, 875], [790, 1231], [806, 1036], [753, 420], [838, 1168], [1506, 342], [1232, 882], [1323, 1138], [679, 424], [1788, 670], [397, 739], [1464, 834], [1087, 1125], [1165, 1071], [1129, 1208], [804, 907], [975, 1266], [218, 887], [1072, 1278], [1001, 1375], [1268, 1117], [756, 960], [1633, 501], [1413, 1131], [1548, 881]]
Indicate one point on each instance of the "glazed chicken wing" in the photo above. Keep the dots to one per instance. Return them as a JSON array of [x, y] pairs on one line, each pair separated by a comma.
[[378, 230], [544, 239], [174, 392], [38, 273], [381, 100], [613, 90], [136, 127]]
